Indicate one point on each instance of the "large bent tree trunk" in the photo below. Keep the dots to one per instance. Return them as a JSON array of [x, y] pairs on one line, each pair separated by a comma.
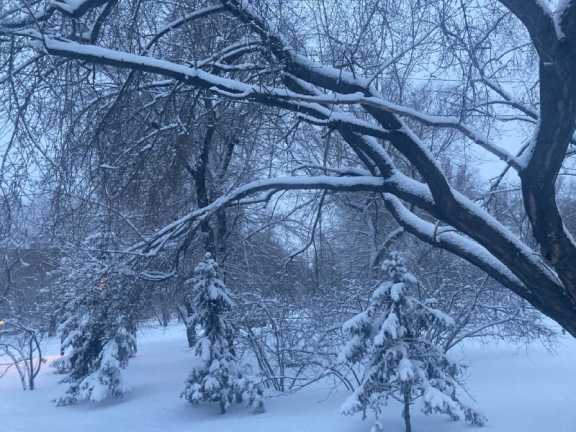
[[316, 93]]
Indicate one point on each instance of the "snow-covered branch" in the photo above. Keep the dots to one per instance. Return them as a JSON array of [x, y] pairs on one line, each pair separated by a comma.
[[450, 240], [77, 8], [339, 184]]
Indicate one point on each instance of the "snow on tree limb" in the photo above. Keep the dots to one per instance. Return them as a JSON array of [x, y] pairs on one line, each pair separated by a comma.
[[400, 185], [553, 136], [449, 239], [77, 8], [371, 126], [446, 202]]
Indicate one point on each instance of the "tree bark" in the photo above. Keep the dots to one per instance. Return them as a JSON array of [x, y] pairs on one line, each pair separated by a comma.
[[406, 410]]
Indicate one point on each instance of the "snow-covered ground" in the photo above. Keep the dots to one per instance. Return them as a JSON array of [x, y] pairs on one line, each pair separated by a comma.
[[519, 389]]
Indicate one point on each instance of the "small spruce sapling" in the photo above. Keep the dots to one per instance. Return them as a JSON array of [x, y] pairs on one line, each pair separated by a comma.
[[391, 339], [99, 340], [220, 378]]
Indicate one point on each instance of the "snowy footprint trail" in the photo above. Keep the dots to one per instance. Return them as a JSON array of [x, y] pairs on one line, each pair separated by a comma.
[[519, 389]]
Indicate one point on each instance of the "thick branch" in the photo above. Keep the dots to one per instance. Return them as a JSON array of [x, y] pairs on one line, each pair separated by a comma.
[[340, 184], [450, 206], [538, 19], [550, 302]]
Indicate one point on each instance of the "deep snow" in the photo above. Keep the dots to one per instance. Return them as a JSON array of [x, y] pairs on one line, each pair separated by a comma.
[[519, 389]]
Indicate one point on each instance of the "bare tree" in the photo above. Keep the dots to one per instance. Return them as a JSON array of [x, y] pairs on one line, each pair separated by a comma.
[[388, 137], [20, 349]]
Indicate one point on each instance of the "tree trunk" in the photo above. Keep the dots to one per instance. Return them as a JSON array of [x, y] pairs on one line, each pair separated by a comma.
[[406, 410], [222, 407], [190, 327], [190, 336]]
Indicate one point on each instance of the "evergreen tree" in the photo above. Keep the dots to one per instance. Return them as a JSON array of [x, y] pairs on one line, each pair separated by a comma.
[[220, 377], [393, 340], [98, 327], [99, 340]]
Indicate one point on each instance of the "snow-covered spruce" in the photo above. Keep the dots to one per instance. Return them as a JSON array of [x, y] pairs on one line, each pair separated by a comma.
[[220, 377], [99, 340], [393, 341]]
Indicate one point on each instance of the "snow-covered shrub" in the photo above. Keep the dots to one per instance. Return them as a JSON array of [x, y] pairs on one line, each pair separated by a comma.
[[220, 377], [393, 340], [20, 348]]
